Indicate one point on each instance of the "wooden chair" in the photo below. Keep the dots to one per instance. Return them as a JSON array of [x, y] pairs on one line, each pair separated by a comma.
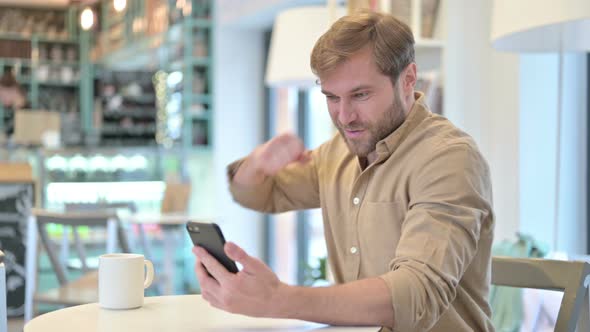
[[571, 277], [122, 233], [82, 290]]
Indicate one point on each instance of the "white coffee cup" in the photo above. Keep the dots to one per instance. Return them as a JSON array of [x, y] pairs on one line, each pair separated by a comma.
[[122, 280]]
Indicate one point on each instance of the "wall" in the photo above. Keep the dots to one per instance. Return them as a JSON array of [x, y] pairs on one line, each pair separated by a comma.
[[482, 96], [239, 95], [508, 104], [538, 127]]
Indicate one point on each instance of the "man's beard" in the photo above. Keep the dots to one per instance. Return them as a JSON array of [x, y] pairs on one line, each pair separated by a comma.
[[377, 131]]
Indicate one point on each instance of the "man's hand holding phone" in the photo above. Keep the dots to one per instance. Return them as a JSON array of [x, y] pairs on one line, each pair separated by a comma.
[[254, 291]]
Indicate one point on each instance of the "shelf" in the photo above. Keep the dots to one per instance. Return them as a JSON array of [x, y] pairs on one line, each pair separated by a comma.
[[43, 39], [15, 61], [117, 131], [14, 36], [203, 116], [141, 48], [142, 99], [179, 65], [60, 63], [201, 61], [59, 84], [70, 41], [131, 112], [199, 23], [200, 99]]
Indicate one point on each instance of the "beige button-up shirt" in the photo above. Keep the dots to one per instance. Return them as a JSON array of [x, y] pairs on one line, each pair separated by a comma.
[[420, 217]]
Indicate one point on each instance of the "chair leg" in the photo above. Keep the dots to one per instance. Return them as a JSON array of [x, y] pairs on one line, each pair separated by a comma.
[[111, 235], [3, 322], [64, 254], [80, 249], [123, 239], [584, 318], [148, 252], [145, 243], [31, 267]]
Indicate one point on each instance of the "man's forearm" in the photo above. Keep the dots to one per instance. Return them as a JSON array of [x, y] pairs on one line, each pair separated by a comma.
[[362, 302], [247, 174]]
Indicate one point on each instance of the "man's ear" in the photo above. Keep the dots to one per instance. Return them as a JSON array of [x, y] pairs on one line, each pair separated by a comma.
[[408, 79]]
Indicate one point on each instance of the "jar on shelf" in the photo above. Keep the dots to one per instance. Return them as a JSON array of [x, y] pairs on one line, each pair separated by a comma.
[[199, 83], [57, 53], [43, 52], [200, 47], [67, 74], [71, 54]]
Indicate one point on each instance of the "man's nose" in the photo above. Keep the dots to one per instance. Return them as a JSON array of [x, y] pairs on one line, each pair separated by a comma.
[[346, 113]]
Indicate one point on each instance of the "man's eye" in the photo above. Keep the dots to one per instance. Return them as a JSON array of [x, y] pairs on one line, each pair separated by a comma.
[[361, 95], [332, 98]]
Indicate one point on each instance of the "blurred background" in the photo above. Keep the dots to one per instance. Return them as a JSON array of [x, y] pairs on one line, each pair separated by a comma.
[[146, 102]]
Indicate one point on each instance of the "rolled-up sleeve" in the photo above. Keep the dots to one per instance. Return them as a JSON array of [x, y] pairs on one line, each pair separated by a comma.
[[295, 187], [450, 199]]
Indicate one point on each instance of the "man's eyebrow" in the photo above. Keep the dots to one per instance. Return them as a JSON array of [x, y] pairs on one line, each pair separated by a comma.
[[358, 88]]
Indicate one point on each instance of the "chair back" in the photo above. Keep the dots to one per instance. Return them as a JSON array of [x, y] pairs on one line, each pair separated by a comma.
[[176, 197], [73, 220], [571, 277], [102, 206]]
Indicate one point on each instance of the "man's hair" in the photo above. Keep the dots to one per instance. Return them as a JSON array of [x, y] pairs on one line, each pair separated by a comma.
[[391, 40]]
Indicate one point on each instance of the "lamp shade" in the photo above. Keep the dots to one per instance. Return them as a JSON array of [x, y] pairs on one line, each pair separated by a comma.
[[294, 34], [541, 25]]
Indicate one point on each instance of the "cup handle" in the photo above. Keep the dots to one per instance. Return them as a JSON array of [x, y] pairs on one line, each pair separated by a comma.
[[149, 277]]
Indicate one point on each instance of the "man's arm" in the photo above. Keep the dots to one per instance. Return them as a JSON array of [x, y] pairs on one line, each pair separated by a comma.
[[256, 291], [278, 176], [449, 212], [361, 302]]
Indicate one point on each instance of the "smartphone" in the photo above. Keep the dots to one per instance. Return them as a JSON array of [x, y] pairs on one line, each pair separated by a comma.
[[210, 237]]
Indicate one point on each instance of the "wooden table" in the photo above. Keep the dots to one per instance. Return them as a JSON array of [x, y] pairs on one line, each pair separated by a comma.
[[169, 313]]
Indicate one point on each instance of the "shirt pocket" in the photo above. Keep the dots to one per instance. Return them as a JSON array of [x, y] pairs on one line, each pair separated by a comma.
[[379, 230]]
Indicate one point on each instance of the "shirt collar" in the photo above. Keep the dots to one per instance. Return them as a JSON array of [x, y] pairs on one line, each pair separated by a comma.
[[418, 113]]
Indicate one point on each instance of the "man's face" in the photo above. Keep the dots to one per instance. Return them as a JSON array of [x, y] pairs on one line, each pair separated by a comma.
[[363, 103]]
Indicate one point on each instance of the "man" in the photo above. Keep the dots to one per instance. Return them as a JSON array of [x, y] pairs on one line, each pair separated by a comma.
[[405, 197], [11, 95]]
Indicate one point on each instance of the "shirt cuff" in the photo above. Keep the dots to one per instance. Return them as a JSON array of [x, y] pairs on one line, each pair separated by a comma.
[[407, 300]]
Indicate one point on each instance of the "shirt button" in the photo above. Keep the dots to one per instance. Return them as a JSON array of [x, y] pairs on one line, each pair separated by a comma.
[[356, 201], [353, 250]]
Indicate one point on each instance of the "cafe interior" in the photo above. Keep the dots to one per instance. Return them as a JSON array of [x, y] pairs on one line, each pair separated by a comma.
[[118, 119]]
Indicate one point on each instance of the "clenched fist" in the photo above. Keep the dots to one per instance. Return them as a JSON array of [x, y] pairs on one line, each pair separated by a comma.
[[277, 153], [271, 157]]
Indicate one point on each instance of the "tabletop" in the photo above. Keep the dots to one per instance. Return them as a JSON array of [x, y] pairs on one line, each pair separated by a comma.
[[160, 219], [169, 313]]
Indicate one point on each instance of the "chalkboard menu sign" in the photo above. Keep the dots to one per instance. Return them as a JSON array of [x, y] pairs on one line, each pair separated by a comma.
[[16, 201]]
